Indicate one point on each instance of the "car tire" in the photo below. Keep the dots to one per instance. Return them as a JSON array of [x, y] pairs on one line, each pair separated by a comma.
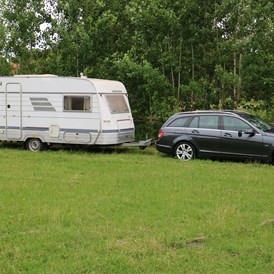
[[184, 151]]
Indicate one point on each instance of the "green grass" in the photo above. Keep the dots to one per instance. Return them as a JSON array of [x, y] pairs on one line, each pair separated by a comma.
[[131, 211]]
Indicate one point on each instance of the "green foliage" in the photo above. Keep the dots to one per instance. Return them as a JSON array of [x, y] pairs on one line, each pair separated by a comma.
[[132, 211], [263, 109], [171, 55], [193, 96], [143, 80], [5, 67], [2, 33], [148, 92]]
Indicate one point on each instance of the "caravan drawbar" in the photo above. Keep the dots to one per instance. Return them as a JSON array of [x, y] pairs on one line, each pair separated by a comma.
[[48, 109]]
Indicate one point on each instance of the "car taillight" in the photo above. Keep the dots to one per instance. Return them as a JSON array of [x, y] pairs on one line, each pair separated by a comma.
[[160, 135]]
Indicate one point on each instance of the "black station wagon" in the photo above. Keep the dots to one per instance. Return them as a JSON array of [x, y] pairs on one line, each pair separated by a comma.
[[217, 134]]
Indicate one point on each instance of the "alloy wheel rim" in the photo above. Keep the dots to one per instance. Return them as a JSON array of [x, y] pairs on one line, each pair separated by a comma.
[[184, 152]]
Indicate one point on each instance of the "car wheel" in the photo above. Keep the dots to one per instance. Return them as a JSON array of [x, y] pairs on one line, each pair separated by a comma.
[[34, 144], [185, 151]]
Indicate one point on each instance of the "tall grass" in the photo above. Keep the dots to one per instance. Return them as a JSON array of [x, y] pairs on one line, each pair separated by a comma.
[[127, 211]]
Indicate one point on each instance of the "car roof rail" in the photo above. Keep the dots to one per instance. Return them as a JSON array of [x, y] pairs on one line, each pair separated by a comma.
[[230, 111]]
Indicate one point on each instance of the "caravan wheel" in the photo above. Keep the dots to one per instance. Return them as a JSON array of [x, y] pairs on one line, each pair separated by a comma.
[[34, 145]]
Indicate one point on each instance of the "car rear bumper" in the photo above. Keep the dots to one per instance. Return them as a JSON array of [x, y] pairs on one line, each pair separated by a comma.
[[164, 148]]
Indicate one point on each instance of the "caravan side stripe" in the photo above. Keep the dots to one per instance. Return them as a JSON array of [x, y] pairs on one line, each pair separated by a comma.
[[117, 130], [69, 129], [79, 130]]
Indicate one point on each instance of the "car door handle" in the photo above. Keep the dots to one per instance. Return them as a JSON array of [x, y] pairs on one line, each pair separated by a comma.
[[195, 131], [227, 135]]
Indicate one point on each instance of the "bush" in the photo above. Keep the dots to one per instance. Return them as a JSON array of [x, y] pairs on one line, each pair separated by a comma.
[[259, 108]]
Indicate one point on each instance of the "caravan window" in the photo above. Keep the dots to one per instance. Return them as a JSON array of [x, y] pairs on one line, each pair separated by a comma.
[[79, 103], [117, 103]]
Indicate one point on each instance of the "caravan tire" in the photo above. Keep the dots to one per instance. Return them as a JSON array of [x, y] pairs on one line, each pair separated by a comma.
[[34, 144]]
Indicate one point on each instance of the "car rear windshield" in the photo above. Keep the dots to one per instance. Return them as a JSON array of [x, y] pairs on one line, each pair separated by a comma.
[[259, 123]]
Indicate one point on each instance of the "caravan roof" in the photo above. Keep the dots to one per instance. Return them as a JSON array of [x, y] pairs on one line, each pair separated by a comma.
[[70, 84]]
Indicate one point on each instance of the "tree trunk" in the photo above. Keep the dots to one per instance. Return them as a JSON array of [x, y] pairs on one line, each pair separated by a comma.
[[192, 74], [240, 78], [234, 74], [179, 72], [171, 66]]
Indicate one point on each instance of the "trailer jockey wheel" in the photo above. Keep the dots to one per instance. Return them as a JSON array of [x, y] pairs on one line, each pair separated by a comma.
[[34, 144]]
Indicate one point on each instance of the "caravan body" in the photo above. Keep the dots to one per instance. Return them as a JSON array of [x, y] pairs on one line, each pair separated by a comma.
[[39, 109]]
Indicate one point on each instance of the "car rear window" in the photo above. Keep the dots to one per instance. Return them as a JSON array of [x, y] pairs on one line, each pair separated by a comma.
[[179, 122]]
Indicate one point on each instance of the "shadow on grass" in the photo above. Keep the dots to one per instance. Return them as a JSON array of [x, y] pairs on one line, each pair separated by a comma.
[[220, 160], [12, 145], [118, 149], [71, 148]]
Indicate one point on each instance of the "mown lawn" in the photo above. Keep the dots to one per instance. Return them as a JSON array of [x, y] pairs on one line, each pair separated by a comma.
[[131, 211]]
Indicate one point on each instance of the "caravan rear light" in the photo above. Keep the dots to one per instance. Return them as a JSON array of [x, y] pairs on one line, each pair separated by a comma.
[[160, 135]]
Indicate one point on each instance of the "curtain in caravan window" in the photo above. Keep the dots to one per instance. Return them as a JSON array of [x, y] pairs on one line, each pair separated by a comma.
[[87, 103], [67, 103]]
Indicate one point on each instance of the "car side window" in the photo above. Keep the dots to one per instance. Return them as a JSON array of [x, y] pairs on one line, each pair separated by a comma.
[[235, 124], [195, 122], [209, 121], [180, 122]]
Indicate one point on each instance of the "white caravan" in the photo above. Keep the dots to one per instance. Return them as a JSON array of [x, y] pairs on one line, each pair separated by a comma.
[[45, 109]]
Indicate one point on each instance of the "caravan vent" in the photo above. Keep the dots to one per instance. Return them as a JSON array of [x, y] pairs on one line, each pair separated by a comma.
[[117, 91], [41, 104]]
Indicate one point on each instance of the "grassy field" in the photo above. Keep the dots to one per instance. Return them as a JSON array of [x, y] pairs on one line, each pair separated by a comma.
[[131, 211]]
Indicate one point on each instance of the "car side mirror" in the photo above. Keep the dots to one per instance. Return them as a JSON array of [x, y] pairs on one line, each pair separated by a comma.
[[250, 132]]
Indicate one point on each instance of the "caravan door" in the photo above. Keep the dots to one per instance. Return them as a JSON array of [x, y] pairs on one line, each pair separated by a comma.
[[13, 111]]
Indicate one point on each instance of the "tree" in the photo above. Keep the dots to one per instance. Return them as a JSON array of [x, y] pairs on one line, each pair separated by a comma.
[[5, 67], [172, 55], [22, 20], [245, 35]]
